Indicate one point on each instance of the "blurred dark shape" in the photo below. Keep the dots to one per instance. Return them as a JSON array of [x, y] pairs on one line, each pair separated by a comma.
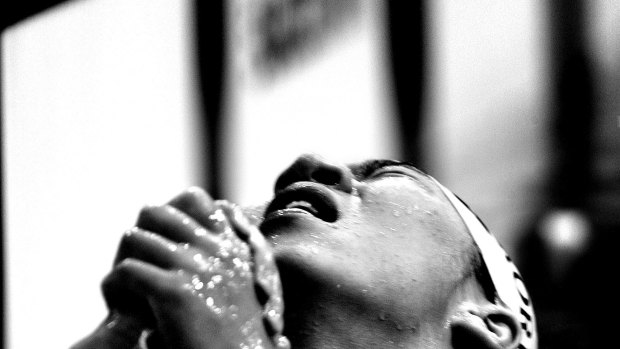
[[573, 117], [290, 29], [567, 253], [406, 33], [12, 12], [211, 60], [287, 31]]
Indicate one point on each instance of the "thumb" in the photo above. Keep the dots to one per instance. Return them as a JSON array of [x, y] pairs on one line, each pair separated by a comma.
[[117, 331]]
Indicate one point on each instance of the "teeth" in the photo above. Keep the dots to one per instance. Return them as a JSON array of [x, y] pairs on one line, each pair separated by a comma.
[[303, 205], [299, 204]]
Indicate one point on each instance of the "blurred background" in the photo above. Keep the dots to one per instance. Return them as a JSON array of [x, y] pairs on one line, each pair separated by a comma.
[[108, 105]]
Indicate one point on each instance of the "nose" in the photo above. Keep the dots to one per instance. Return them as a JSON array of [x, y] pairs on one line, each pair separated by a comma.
[[313, 168]]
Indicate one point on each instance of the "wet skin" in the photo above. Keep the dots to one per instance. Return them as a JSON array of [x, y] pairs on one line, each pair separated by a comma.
[[379, 265], [370, 255], [194, 273]]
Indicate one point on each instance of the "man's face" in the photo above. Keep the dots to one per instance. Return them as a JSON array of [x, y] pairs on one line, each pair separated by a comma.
[[379, 235]]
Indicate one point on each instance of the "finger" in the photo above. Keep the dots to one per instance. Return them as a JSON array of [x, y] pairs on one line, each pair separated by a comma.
[[255, 213], [171, 223], [236, 219], [141, 280], [122, 300], [261, 251], [267, 283], [155, 249], [197, 204]]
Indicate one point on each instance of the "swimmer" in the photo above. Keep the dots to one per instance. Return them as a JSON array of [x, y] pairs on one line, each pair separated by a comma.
[[369, 255]]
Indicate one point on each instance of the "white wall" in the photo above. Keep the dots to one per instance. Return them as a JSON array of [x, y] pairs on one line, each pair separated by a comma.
[[98, 121], [332, 98], [487, 107]]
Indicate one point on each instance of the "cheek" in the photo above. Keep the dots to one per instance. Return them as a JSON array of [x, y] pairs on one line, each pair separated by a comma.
[[412, 235], [400, 209]]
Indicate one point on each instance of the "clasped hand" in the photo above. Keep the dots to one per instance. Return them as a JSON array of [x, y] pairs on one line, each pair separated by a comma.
[[193, 273]]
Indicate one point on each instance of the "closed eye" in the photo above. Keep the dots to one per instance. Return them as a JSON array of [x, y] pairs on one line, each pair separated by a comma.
[[401, 170], [391, 172]]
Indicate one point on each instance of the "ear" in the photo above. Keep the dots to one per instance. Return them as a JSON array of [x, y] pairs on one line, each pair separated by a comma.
[[485, 325]]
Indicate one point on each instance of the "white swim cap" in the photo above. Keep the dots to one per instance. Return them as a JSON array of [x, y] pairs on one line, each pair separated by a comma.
[[509, 286]]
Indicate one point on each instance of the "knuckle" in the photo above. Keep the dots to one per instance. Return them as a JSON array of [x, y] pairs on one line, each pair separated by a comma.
[[196, 193], [192, 197], [147, 214], [130, 236], [106, 284], [123, 269], [129, 243]]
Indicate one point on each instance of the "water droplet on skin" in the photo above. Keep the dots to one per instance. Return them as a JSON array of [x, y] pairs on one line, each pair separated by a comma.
[[209, 301], [216, 279], [203, 265], [112, 323], [198, 285], [218, 216], [283, 343]]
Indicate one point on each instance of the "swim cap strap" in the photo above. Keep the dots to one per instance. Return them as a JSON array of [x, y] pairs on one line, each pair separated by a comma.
[[509, 286]]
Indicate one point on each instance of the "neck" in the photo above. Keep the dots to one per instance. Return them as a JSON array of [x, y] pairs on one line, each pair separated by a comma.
[[324, 317]]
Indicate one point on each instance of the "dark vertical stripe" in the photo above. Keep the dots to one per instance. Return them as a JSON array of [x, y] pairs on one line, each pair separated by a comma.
[[2, 211], [211, 64], [406, 31], [573, 117]]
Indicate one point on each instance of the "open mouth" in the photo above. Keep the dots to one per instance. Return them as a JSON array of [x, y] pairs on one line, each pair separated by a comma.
[[304, 198]]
